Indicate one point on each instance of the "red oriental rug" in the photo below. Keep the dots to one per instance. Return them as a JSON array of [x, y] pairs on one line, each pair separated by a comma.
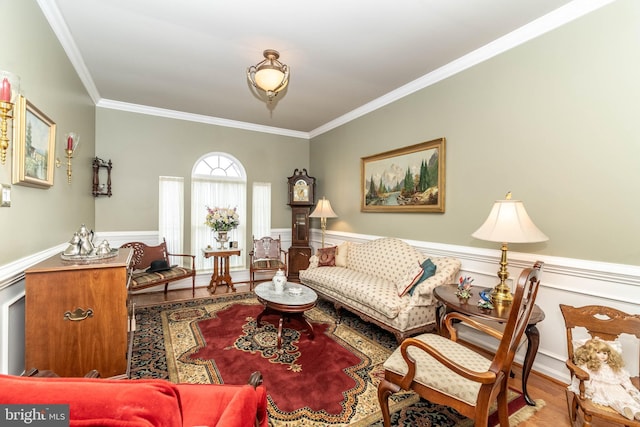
[[331, 379]]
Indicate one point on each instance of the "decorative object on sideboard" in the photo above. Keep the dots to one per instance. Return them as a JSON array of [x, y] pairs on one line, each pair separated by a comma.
[[323, 211], [34, 136], [270, 76], [101, 189], [82, 248], [9, 89], [508, 222]]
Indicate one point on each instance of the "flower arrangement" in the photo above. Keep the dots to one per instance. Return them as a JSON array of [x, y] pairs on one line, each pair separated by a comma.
[[464, 287], [222, 219]]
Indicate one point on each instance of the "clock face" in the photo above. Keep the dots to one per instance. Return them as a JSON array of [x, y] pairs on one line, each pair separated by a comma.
[[301, 191]]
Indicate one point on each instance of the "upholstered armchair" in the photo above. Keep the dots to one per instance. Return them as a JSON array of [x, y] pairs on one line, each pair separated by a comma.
[[445, 372], [267, 255]]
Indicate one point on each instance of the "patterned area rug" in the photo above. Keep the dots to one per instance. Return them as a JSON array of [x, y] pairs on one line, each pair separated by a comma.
[[217, 341]]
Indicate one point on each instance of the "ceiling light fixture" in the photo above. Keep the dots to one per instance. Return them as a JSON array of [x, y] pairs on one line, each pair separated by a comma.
[[270, 75]]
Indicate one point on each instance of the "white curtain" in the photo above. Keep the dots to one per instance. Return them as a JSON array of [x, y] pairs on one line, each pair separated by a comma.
[[219, 192], [171, 213], [261, 212]]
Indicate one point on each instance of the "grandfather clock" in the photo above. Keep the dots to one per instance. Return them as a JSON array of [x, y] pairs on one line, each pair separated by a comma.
[[302, 190]]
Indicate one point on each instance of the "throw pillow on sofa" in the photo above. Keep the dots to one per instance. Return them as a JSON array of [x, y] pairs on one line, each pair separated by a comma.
[[410, 278], [341, 254], [327, 257], [429, 269]]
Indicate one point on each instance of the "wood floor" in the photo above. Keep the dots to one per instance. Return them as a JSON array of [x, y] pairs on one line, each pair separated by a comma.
[[553, 414]]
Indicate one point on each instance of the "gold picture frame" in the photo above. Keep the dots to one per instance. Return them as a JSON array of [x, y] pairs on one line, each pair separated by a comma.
[[383, 179], [34, 143]]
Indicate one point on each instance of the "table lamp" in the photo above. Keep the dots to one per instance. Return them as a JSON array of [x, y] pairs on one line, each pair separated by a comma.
[[508, 222], [323, 211]]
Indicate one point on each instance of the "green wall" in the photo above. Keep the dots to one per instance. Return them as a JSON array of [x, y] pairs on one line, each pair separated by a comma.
[[41, 218], [554, 120], [144, 147]]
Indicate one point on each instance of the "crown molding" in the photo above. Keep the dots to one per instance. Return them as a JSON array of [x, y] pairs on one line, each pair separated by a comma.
[[542, 25], [199, 118]]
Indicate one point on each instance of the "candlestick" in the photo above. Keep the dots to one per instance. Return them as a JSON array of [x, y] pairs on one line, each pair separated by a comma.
[[5, 91], [69, 152]]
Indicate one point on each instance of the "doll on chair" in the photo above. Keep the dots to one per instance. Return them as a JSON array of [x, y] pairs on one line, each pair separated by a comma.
[[609, 382]]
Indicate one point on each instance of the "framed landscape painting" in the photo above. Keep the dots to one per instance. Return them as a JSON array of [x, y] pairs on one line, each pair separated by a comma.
[[34, 140], [409, 179]]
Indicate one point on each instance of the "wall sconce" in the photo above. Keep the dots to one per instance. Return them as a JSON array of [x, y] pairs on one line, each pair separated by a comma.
[[72, 144], [270, 75], [9, 89]]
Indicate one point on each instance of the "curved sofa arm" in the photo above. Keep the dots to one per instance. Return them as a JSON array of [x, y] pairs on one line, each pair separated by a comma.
[[313, 262], [447, 269]]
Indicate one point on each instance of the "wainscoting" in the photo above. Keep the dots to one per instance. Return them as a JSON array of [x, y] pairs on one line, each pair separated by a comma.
[[564, 281]]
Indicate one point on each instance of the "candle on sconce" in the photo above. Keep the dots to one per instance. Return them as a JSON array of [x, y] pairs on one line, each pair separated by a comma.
[[70, 143], [5, 90]]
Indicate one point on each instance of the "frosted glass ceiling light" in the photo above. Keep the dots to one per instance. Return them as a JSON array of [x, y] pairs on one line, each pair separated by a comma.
[[270, 75]]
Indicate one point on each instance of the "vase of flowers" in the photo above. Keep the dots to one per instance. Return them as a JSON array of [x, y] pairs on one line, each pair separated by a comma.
[[222, 220]]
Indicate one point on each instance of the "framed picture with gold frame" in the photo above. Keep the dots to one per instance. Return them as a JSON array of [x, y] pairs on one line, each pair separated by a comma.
[[408, 179], [34, 141]]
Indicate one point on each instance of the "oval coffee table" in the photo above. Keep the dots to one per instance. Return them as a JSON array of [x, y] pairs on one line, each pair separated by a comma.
[[286, 304]]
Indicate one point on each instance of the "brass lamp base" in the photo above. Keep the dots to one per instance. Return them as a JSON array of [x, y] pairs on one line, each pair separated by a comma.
[[501, 294]]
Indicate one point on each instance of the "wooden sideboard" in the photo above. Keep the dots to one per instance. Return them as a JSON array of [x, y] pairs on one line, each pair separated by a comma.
[[76, 316]]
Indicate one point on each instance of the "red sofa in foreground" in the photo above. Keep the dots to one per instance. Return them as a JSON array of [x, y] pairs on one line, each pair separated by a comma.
[[132, 403]]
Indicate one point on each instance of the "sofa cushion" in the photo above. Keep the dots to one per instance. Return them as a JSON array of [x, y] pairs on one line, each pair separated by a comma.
[[388, 258], [100, 402], [142, 279], [222, 405], [327, 257], [341, 254], [374, 292]]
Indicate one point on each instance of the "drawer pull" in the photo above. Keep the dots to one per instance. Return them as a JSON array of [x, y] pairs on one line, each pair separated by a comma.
[[78, 315]]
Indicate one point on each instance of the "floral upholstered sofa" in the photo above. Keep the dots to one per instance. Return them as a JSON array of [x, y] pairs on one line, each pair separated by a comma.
[[385, 281]]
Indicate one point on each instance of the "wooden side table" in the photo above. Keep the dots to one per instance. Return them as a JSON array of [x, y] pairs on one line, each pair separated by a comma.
[[446, 295], [221, 274]]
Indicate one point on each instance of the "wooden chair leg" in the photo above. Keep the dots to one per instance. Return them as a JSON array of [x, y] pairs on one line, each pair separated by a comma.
[[385, 390], [503, 409]]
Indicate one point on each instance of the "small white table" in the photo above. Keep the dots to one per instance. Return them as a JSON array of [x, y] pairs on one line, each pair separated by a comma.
[[286, 304]]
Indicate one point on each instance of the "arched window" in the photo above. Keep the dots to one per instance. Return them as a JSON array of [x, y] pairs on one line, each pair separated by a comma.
[[217, 180]]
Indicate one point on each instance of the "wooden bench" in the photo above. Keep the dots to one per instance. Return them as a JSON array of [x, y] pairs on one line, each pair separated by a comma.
[[144, 255]]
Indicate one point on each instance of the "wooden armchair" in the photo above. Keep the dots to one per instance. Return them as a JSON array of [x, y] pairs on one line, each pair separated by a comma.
[[267, 255], [151, 267], [443, 371], [607, 324]]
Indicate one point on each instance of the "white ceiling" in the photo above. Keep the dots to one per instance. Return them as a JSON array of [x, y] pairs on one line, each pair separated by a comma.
[[188, 58]]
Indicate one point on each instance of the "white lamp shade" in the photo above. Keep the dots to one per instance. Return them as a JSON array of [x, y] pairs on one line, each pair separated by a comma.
[[508, 222], [323, 210], [268, 78]]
